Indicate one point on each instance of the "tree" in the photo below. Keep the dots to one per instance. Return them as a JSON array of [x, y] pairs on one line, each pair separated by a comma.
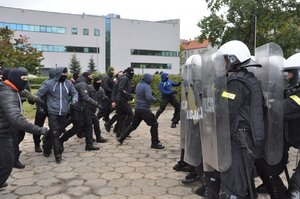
[[268, 21], [92, 65], [74, 65], [19, 52]]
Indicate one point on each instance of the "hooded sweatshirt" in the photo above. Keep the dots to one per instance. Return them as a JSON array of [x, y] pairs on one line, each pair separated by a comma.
[[166, 85], [143, 92], [57, 93]]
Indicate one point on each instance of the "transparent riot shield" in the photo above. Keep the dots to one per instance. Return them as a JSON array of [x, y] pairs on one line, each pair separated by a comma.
[[270, 56], [215, 135], [193, 150], [183, 107]]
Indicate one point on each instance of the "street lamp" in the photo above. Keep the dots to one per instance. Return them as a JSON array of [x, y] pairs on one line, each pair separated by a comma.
[[255, 22]]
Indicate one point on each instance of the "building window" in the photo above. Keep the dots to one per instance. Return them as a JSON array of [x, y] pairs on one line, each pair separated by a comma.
[[33, 28], [85, 31], [155, 53], [74, 31], [151, 65], [57, 48], [96, 32]]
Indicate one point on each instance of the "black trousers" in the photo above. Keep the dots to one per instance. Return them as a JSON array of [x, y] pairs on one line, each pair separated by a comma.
[[149, 118], [165, 100], [6, 159], [57, 125], [96, 125], [82, 122], [17, 138], [125, 115], [40, 117]]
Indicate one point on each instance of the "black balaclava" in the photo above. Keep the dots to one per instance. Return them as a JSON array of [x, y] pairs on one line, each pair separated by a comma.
[[86, 75], [5, 73], [63, 77], [96, 84], [129, 72], [15, 75]]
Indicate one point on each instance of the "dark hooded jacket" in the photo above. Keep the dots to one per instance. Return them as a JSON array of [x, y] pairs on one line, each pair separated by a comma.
[[108, 83], [11, 112], [57, 93], [143, 92], [84, 101]]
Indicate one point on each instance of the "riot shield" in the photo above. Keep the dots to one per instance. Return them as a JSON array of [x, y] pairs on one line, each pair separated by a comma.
[[185, 73], [215, 134], [193, 150], [270, 56]]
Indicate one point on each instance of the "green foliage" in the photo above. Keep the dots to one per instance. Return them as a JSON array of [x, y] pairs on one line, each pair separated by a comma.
[[276, 21], [92, 65], [74, 65], [19, 53]]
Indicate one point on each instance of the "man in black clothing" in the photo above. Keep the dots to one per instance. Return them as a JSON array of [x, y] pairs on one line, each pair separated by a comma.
[[123, 96], [97, 93], [245, 106], [81, 114], [144, 99], [10, 115], [107, 85]]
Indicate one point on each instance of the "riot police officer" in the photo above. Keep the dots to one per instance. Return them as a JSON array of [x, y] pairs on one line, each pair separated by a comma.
[[246, 127]]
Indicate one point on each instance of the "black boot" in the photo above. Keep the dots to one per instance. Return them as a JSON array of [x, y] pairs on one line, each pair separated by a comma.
[[277, 189], [101, 139], [212, 185], [200, 191], [3, 185], [58, 158], [181, 165], [157, 145], [191, 177], [18, 164], [91, 147]]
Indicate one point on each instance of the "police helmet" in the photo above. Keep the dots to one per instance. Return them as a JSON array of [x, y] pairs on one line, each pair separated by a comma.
[[186, 70], [196, 67], [237, 55], [292, 64]]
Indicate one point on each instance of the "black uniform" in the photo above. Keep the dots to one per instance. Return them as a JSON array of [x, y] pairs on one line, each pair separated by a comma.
[[247, 134]]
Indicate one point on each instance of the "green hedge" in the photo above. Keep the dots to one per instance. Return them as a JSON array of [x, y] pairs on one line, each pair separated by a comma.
[[35, 83]]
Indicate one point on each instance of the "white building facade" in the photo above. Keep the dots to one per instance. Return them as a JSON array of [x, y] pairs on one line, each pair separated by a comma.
[[109, 40]]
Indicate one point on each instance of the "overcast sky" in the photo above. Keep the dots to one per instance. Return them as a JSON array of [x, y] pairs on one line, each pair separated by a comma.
[[188, 11]]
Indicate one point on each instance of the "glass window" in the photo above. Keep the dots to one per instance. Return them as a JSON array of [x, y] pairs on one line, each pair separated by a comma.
[[85, 31], [25, 27], [74, 31], [6, 25], [43, 28], [96, 32], [13, 26], [37, 29], [19, 27], [51, 29], [85, 50], [31, 28], [61, 30]]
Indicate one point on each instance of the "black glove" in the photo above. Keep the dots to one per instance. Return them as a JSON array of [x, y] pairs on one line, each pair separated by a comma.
[[40, 102], [44, 131]]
